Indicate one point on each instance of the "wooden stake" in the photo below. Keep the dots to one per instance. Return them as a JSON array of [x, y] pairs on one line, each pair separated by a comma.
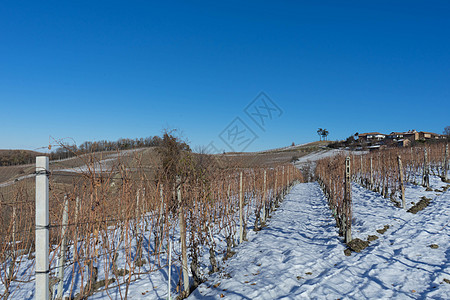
[[137, 206], [445, 163], [275, 187], [14, 229], [425, 177], [361, 174], [402, 184], [371, 174], [62, 255], [160, 220], [264, 216]]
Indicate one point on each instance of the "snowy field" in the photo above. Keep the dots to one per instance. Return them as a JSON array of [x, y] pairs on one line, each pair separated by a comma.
[[311, 158], [301, 256]]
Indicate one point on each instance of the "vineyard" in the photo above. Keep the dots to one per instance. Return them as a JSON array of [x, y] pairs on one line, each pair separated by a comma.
[[385, 172], [110, 226], [175, 221]]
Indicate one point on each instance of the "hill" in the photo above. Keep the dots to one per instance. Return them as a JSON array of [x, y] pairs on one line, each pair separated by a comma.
[[105, 160]]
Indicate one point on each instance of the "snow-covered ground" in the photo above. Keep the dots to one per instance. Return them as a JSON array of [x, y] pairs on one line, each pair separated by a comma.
[[103, 165], [311, 158], [301, 256]]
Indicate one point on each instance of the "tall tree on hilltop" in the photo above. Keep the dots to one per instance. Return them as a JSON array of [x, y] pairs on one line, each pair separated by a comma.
[[319, 132], [325, 134]]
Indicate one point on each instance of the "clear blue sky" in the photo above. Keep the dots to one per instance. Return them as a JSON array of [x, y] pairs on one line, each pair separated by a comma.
[[93, 70]]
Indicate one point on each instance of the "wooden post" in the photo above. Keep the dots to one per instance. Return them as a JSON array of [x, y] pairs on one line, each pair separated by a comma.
[[14, 229], [371, 174], [62, 255], [361, 171], [77, 205], [138, 228], [348, 202], [184, 261], [425, 178], [264, 216], [144, 203], [287, 179], [384, 185], [288, 175], [42, 225], [137, 206], [402, 183], [241, 209], [444, 175], [282, 184], [275, 187], [160, 220]]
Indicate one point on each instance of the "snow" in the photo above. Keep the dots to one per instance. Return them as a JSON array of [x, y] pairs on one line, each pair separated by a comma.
[[300, 255], [103, 165], [11, 182], [316, 155]]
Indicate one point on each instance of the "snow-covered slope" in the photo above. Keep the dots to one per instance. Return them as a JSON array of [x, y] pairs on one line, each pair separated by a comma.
[[311, 158], [301, 256]]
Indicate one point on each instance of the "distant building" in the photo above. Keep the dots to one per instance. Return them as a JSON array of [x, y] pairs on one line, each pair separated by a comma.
[[398, 138], [404, 143], [411, 135], [430, 136], [371, 136]]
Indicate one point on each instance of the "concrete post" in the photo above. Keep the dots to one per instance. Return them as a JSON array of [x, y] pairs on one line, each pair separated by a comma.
[[184, 260], [170, 271], [42, 226], [348, 202]]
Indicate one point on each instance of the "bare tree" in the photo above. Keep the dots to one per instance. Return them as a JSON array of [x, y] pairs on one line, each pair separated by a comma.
[[447, 131]]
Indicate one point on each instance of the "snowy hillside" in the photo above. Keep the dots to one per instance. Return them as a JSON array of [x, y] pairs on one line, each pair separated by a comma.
[[301, 256]]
